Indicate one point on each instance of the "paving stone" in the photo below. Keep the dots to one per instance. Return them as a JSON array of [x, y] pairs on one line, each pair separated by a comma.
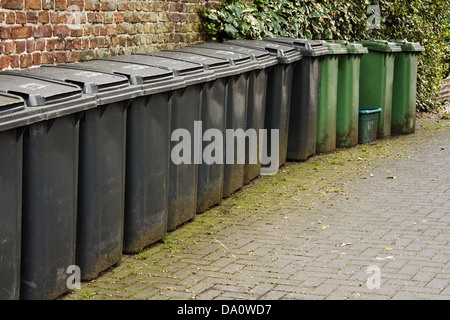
[[311, 232]]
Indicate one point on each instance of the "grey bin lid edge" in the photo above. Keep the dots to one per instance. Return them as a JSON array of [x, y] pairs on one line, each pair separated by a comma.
[[151, 80], [189, 72], [14, 113], [10, 103], [285, 54], [263, 57], [307, 47], [49, 98], [106, 87]]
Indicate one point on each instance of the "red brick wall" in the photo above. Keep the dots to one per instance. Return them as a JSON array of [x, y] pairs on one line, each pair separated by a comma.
[[35, 32]]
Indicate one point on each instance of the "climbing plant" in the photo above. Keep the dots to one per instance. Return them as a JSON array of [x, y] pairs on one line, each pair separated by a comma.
[[423, 21]]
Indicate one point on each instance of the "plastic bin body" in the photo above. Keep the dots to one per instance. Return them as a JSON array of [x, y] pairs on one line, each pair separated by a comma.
[[236, 110], [403, 119], [347, 104], [101, 176], [147, 150], [213, 112], [50, 177], [368, 125], [377, 80], [11, 149], [327, 103], [278, 96], [305, 97], [256, 99], [186, 111]]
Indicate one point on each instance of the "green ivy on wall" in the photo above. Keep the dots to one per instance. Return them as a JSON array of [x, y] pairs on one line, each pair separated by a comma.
[[423, 21]]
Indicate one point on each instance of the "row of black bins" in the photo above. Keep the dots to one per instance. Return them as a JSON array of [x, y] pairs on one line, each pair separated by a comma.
[[85, 148]]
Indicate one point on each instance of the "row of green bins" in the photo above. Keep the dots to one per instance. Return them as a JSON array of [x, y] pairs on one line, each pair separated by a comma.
[[377, 79], [14, 117], [101, 176], [49, 182], [403, 119], [305, 97], [389, 81], [278, 98], [256, 100]]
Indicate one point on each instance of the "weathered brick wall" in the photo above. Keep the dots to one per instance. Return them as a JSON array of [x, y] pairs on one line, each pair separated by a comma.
[[35, 32]]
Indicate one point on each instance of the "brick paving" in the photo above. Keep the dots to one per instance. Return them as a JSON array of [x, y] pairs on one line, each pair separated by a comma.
[[313, 231]]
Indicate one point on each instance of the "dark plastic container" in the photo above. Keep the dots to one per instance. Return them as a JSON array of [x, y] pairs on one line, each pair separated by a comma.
[[101, 176], [256, 99], [14, 117], [237, 107], [213, 115], [186, 114], [147, 150], [50, 177], [278, 97], [305, 97]]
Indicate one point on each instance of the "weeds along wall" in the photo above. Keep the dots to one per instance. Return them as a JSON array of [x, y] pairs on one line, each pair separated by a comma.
[[36, 32]]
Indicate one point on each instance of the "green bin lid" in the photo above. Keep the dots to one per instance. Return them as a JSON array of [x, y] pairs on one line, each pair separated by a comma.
[[333, 47], [408, 46], [380, 45], [351, 47]]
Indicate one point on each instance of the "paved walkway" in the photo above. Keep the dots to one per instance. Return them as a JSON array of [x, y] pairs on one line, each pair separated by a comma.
[[370, 222]]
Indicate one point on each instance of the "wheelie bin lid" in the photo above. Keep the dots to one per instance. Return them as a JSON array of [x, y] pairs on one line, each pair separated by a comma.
[[106, 87], [221, 67], [334, 48], [308, 48], [408, 46], [380, 45], [52, 98], [285, 54], [191, 73], [150, 79], [243, 62], [263, 57], [14, 113], [350, 47]]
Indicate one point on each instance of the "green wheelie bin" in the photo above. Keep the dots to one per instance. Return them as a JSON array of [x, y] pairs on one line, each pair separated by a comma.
[[405, 86], [377, 81], [327, 103], [347, 110]]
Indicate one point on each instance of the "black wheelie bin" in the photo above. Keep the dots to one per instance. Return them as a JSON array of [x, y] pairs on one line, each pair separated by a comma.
[[185, 124], [278, 98], [237, 89], [256, 100], [305, 97], [14, 118], [50, 182], [147, 150], [101, 173]]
